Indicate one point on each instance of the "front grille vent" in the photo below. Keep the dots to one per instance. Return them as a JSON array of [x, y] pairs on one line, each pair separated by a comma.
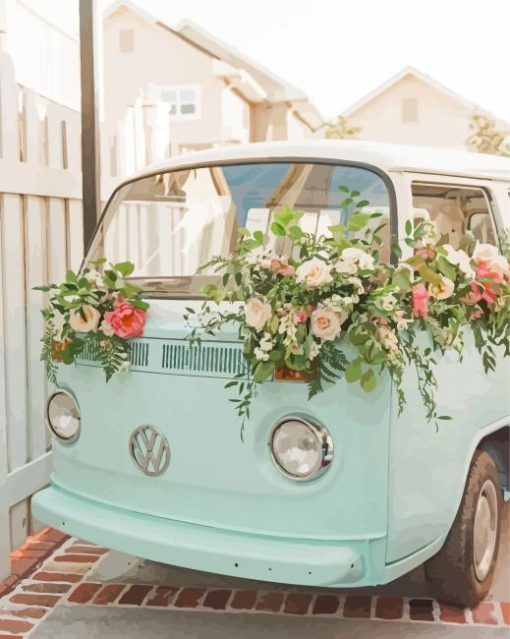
[[211, 360], [138, 356]]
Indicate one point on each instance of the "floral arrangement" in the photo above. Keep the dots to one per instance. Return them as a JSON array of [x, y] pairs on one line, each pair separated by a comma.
[[333, 309], [95, 311]]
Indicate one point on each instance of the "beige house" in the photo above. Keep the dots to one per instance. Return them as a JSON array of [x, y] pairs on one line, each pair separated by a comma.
[[413, 108], [211, 94]]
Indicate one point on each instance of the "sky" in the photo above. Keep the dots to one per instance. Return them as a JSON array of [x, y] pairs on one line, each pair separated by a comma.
[[337, 51]]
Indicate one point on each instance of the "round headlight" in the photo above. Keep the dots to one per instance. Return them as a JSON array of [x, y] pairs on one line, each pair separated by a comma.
[[300, 449], [63, 415]]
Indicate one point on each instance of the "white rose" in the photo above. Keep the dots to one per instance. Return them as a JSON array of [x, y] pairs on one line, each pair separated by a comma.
[[352, 259], [257, 313], [485, 252], [461, 259], [443, 290], [325, 324], [314, 273], [84, 319]]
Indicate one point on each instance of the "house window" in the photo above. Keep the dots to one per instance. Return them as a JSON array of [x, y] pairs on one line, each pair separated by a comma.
[[126, 40], [409, 110], [183, 101]]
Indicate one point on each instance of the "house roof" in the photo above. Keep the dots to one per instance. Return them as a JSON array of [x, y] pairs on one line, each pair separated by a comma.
[[253, 81], [410, 70], [276, 88], [388, 157]]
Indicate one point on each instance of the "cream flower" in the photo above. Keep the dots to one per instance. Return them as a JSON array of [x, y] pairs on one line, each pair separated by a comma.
[[314, 273], [352, 259], [261, 355], [388, 302], [106, 328], [261, 256], [401, 320], [257, 312], [461, 259], [266, 342], [443, 290], [388, 338], [95, 278], [325, 324], [314, 350], [84, 319]]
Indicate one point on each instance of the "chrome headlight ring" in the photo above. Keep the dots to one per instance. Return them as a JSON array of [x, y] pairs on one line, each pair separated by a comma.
[[63, 416], [300, 449]]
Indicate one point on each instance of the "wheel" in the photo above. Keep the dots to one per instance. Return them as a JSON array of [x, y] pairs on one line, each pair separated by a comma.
[[461, 572]]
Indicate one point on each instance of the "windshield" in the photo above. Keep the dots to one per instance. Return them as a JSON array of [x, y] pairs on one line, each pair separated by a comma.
[[171, 223]]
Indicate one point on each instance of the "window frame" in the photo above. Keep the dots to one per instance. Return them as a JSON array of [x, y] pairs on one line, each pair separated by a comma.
[[437, 179], [178, 88], [383, 175]]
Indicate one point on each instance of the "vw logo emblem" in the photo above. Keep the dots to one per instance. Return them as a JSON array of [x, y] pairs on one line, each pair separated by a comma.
[[150, 450]]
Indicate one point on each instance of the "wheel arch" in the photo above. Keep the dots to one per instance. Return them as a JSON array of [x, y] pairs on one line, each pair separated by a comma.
[[497, 444]]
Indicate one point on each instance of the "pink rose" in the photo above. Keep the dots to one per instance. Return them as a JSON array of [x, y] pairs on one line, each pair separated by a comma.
[[420, 297], [301, 316], [281, 266], [476, 314], [126, 320]]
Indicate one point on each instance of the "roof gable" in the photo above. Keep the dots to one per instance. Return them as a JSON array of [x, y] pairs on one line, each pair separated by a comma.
[[422, 77]]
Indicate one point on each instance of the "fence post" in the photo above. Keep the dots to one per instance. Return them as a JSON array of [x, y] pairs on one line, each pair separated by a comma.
[[90, 145]]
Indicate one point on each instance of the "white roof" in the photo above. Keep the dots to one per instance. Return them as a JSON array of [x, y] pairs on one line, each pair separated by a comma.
[[388, 157]]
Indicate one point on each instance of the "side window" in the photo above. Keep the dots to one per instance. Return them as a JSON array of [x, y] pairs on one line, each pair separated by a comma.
[[455, 210]]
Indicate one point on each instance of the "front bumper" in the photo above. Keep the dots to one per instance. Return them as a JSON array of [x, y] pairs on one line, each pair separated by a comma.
[[295, 561]]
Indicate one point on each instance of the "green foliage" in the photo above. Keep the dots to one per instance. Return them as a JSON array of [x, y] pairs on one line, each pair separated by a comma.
[[329, 310], [74, 319]]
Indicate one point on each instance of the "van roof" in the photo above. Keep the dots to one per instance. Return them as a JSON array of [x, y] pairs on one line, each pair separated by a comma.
[[388, 157]]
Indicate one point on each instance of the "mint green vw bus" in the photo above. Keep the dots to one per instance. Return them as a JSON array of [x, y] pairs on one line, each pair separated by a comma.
[[338, 491]]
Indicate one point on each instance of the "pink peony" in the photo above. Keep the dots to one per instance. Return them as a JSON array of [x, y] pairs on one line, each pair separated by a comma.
[[420, 297], [126, 320]]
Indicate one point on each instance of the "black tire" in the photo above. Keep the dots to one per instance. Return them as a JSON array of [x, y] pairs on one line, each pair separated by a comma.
[[451, 575]]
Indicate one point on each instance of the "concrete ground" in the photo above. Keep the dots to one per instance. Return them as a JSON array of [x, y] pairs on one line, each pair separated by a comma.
[[87, 621]]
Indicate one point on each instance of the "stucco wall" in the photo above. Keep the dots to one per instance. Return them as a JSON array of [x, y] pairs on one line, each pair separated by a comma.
[[162, 58], [442, 120]]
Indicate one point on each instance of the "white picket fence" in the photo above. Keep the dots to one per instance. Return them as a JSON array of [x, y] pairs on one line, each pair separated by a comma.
[[41, 236]]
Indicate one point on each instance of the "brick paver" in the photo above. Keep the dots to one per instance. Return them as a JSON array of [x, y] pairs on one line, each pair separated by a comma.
[[61, 578]]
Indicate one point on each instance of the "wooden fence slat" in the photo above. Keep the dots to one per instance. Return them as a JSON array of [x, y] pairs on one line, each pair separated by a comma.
[[14, 325], [36, 274], [54, 121], [74, 234], [5, 542], [57, 240], [31, 126], [9, 126]]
